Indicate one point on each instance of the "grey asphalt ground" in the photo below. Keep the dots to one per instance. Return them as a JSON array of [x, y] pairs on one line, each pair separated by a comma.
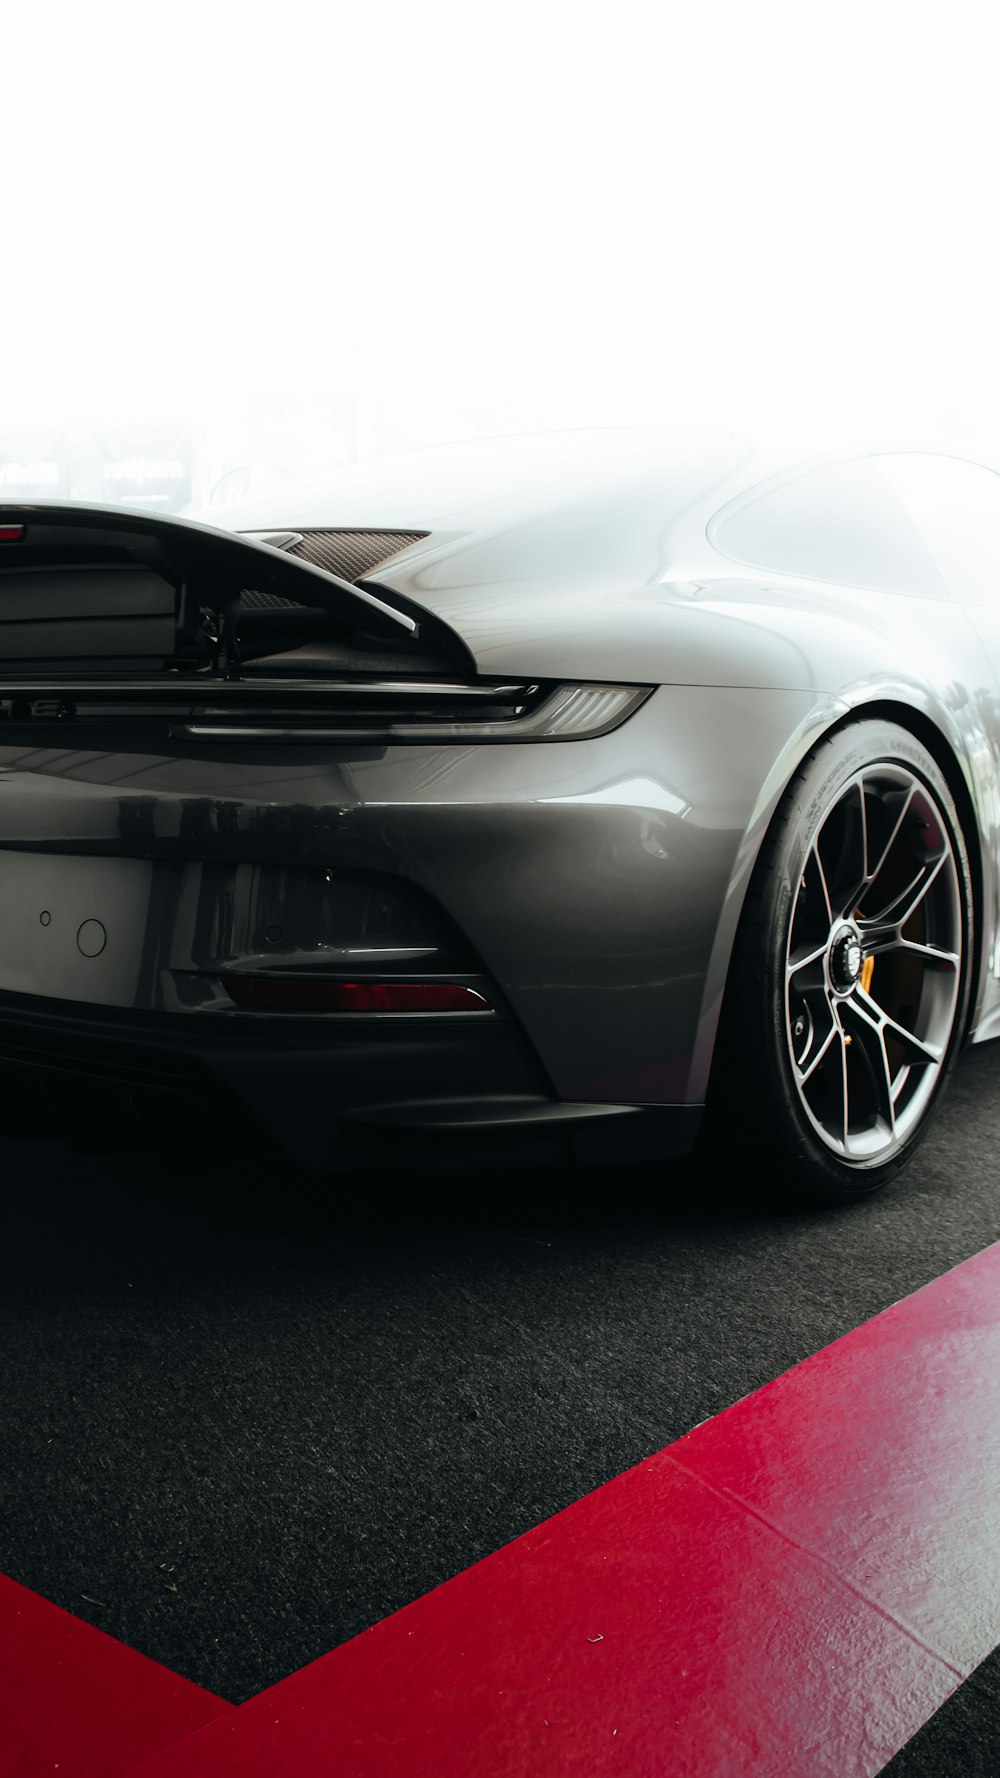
[[252, 1413]]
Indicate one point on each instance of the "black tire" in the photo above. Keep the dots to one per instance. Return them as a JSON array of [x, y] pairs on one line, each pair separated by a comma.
[[825, 1078]]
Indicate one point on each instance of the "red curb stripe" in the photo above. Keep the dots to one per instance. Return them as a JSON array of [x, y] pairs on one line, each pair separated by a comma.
[[793, 1588], [881, 1455], [73, 1701]]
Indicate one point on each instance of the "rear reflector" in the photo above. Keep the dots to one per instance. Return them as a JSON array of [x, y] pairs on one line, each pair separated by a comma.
[[277, 994], [11, 533]]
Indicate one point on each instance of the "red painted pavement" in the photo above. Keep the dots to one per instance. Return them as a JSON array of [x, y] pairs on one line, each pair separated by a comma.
[[792, 1589], [881, 1455], [76, 1702]]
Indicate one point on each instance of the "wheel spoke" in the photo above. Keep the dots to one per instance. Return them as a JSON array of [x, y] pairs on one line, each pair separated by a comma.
[[845, 1120], [903, 907], [815, 1060], [886, 1094], [795, 965], [821, 873], [861, 879], [874, 871], [871, 1039], [880, 1021], [846, 829], [929, 953]]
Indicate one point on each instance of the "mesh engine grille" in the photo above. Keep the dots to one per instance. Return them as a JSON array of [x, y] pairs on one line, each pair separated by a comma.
[[350, 554]]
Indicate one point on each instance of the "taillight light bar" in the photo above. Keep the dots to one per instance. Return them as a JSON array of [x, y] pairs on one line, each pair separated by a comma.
[[11, 533], [284, 994]]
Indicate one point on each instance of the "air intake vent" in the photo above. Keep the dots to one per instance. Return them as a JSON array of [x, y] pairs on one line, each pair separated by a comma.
[[350, 554]]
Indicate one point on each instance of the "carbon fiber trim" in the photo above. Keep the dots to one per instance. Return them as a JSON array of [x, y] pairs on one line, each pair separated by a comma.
[[251, 601], [351, 554]]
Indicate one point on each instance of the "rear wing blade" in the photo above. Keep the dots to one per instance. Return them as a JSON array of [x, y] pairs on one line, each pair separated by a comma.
[[39, 540]]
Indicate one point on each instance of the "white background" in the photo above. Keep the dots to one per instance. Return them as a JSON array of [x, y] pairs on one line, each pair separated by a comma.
[[323, 231]]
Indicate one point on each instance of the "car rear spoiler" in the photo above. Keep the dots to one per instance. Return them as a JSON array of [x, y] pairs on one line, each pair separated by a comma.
[[80, 581], [50, 537]]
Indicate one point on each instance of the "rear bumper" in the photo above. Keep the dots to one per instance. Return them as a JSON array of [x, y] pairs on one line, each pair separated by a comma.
[[363, 1094], [595, 884], [590, 888]]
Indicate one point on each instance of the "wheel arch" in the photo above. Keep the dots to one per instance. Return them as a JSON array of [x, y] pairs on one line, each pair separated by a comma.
[[956, 768], [921, 725]]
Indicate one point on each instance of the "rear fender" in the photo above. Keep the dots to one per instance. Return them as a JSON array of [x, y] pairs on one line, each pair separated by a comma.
[[959, 737]]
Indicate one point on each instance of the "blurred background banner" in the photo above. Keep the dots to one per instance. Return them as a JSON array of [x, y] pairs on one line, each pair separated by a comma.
[[155, 466], [35, 463], [150, 466]]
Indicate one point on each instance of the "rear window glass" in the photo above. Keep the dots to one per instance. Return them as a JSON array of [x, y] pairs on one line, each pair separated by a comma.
[[842, 522]]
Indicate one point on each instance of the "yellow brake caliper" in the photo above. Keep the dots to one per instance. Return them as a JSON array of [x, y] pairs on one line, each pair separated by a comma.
[[867, 967]]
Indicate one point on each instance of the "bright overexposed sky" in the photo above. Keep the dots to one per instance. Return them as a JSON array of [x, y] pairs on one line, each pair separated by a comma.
[[440, 219]]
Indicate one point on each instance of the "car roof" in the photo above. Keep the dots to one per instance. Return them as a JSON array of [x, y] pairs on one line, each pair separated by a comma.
[[462, 486]]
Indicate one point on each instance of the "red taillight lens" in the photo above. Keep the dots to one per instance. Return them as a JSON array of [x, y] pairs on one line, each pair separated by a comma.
[[277, 994], [11, 533]]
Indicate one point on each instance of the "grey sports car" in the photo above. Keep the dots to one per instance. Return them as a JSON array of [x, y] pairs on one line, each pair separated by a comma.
[[514, 801]]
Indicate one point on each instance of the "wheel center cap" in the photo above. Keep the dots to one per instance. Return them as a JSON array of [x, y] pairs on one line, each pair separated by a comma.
[[845, 960]]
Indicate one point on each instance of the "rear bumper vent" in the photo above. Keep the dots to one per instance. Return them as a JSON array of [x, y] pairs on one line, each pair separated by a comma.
[[352, 555]]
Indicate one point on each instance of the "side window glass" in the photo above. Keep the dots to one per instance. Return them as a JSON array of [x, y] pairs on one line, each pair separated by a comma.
[[842, 522], [957, 507]]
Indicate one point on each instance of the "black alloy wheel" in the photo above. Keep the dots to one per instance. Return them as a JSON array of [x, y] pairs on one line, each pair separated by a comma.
[[849, 988]]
